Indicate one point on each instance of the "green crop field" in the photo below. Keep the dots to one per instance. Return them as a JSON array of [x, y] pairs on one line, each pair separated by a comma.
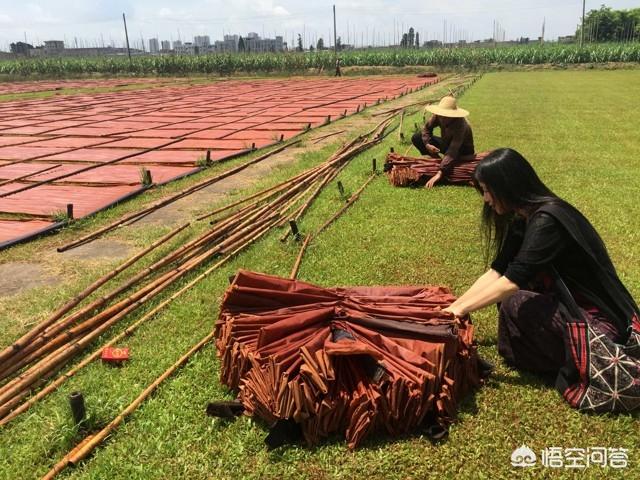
[[285, 63], [578, 129]]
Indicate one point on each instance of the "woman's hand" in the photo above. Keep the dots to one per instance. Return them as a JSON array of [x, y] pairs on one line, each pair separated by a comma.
[[432, 149], [453, 311], [433, 180]]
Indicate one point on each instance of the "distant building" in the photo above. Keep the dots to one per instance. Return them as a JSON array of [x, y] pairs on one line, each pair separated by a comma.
[[154, 47], [177, 44], [21, 48], [187, 48], [253, 43], [567, 39], [53, 47], [166, 45], [229, 44], [432, 44], [202, 41]]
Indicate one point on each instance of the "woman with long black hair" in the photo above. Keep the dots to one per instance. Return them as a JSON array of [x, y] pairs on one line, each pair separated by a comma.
[[561, 303]]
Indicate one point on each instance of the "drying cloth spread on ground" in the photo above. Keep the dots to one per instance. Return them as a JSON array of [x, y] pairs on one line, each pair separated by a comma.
[[344, 360]]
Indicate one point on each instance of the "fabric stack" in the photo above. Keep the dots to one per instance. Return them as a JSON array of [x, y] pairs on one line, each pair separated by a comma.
[[344, 360], [409, 171]]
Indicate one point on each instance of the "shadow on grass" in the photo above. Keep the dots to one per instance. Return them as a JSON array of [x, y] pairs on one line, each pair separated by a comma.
[[380, 439]]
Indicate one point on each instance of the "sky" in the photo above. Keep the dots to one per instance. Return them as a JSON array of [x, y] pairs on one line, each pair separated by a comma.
[[99, 22]]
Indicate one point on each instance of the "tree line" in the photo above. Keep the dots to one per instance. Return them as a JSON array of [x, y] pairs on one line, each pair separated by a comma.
[[608, 25]]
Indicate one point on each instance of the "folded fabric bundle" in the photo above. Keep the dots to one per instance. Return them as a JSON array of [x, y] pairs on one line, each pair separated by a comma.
[[407, 171], [344, 360]]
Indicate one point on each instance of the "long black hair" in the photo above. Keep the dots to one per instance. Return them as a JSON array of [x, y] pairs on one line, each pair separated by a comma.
[[515, 186]]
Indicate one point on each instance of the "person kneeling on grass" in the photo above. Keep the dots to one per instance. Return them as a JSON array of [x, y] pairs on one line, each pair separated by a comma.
[[562, 307], [455, 142]]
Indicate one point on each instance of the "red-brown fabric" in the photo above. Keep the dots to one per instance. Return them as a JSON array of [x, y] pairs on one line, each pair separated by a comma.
[[350, 360], [404, 171]]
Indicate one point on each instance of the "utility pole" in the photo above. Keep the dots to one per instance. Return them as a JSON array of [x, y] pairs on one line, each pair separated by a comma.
[[444, 33], [582, 27], [335, 38], [126, 34]]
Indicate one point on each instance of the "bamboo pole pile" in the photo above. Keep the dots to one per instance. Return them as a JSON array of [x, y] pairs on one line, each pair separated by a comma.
[[406, 171], [48, 347], [344, 360]]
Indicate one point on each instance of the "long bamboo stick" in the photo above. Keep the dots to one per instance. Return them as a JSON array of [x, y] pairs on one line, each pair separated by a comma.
[[223, 175], [134, 300], [23, 177], [271, 190], [99, 437], [296, 265], [318, 139]]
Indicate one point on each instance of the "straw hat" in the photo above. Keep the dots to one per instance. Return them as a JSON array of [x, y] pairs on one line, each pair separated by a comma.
[[448, 107]]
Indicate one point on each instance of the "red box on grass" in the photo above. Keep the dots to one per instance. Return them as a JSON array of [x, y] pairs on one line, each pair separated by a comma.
[[115, 354]]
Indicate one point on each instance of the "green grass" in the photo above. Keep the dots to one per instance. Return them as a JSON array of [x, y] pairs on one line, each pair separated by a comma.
[[577, 128]]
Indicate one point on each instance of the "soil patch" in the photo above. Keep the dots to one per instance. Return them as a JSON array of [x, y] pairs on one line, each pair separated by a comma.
[[101, 249], [16, 277]]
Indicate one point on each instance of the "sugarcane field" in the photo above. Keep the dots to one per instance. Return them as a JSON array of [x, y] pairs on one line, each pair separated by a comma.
[[388, 247]]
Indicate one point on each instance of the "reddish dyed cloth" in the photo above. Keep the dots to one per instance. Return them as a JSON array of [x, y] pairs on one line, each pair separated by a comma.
[[352, 360], [405, 171]]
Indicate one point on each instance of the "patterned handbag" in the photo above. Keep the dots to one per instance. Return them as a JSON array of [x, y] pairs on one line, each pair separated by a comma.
[[608, 373]]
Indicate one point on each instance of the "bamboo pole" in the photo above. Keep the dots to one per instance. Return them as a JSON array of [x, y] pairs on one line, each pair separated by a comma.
[[222, 176], [23, 177], [318, 139], [99, 437], [65, 352], [107, 316], [347, 204], [296, 265]]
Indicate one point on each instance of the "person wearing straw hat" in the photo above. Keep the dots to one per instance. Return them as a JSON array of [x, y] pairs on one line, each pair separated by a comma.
[[455, 141]]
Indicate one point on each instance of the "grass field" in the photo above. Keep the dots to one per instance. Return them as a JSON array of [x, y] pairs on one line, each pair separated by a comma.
[[579, 129]]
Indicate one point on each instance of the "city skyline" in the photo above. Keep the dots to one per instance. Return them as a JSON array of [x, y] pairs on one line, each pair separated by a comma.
[[377, 22]]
